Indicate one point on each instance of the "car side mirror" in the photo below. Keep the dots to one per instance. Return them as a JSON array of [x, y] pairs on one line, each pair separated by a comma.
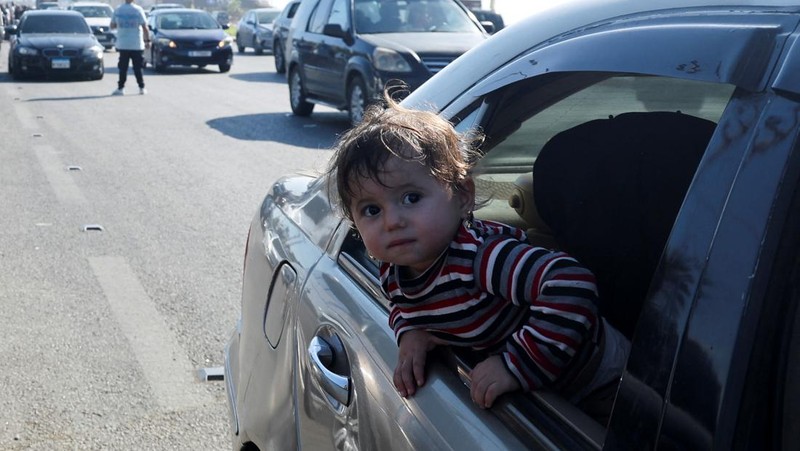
[[225, 26], [251, 22], [488, 26], [335, 30]]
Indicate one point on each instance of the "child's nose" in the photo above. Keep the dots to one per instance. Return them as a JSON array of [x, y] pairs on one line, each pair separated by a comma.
[[393, 218]]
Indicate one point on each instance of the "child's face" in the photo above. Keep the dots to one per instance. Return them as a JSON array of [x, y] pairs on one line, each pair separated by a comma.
[[408, 217]]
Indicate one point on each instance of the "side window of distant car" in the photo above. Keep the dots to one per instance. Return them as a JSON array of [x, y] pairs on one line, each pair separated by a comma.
[[339, 14], [320, 16], [292, 10]]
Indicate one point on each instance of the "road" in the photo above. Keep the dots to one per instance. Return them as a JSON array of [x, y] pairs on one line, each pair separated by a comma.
[[123, 228]]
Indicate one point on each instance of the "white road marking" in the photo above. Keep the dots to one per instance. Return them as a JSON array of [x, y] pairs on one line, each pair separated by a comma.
[[59, 178], [21, 111], [164, 363]]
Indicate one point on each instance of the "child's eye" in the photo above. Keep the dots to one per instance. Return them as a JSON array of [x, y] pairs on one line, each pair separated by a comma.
[[370, 210], [411, 198]]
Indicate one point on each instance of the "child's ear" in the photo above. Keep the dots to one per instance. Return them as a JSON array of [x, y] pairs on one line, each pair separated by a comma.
[[466, 196]]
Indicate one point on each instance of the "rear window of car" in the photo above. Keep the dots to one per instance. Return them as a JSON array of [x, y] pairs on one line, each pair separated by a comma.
[[94, 11]]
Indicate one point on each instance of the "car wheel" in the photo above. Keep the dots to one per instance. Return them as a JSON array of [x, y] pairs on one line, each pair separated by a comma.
[[257, 47], [356, 100], [158, 66], [239, 46], [224, 68], [98, 75], [297, 98], [15, 74], [280, 61]]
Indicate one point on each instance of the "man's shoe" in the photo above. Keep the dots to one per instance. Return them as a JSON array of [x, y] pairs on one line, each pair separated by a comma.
[[118, 92], [142, 91]]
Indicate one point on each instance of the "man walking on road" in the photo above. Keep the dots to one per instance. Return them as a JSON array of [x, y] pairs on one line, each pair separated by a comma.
[[132, 39]]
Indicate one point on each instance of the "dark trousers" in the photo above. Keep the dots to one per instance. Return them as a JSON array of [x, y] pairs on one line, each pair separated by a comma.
[[136, 56]]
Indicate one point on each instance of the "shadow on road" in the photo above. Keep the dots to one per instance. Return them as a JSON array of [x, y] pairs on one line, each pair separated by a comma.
[[318, 132]]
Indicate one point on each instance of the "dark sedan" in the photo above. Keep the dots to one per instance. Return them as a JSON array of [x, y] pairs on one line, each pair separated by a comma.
[[187, 37], [670, 169], [55, 43]]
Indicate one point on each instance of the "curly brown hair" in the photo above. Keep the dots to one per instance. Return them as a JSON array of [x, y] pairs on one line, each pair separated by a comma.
[[390, 130]]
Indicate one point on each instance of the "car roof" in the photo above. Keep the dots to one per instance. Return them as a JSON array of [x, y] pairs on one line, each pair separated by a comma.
[[89, 4], [51, 12], [550, 20], [182, 9]]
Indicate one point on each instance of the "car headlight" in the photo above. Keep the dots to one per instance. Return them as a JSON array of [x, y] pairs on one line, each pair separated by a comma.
[[225, 42], [165, 42], [389, 61], [27, 50], [94, 51]]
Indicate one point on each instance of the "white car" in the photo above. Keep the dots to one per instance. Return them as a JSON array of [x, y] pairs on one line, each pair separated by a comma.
[[658, 143], [98, 16]]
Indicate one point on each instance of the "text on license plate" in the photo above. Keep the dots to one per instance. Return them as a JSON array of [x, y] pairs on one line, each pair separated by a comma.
[[60, 63], [200, 53]]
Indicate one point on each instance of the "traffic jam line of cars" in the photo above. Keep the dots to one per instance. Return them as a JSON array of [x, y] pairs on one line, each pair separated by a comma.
[[672, 169], [70, 43]]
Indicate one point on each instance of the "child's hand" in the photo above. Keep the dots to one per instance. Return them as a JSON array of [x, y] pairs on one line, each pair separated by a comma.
[[410, 371], [490, 379]]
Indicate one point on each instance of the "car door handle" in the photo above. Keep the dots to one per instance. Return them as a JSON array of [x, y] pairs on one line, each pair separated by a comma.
[[324, 356]]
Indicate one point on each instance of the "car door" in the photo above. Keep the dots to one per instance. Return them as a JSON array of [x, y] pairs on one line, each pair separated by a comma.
[[532, 98], [248, 30], [347, 354], [324, 57]]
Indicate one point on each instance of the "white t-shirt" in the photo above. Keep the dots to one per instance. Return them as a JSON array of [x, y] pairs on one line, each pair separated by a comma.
[[129, 19]]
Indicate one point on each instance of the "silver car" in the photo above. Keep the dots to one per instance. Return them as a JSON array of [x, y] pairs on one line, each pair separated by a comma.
[[673, 127]]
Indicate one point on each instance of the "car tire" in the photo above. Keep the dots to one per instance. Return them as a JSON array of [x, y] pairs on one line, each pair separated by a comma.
[[297, 98], [98, 75], [15, 74], [257, 47], [280, 60], [224, 68], [356, 100], [157, 66], [239, 46]]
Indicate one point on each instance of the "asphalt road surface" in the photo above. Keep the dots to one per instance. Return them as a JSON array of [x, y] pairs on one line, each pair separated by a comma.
[[122, 230]]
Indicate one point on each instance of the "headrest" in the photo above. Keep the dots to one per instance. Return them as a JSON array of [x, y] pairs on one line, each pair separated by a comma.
[[522, 200]]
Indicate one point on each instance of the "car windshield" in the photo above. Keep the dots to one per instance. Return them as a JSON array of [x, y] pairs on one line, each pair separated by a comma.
[[267, 16], [409, 16], [187, 21], [94, 11], [61, 23]]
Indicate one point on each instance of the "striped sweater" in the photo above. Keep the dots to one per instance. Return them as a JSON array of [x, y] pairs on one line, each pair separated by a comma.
[[492, 291]]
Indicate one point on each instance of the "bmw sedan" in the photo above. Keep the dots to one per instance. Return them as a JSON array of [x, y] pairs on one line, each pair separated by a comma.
[[54, 43], [187, 37], [670, 169]]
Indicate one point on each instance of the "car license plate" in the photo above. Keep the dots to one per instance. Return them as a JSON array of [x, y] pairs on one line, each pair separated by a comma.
[[199, 53], [60, 63]]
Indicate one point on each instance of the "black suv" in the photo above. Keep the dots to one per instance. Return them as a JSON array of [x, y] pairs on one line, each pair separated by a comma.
[[341, 53]]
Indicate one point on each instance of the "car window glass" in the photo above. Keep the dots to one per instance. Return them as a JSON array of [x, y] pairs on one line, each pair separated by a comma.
[[267, 17], [319, 17], [339, 14], [292, 10], [54, 24]]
